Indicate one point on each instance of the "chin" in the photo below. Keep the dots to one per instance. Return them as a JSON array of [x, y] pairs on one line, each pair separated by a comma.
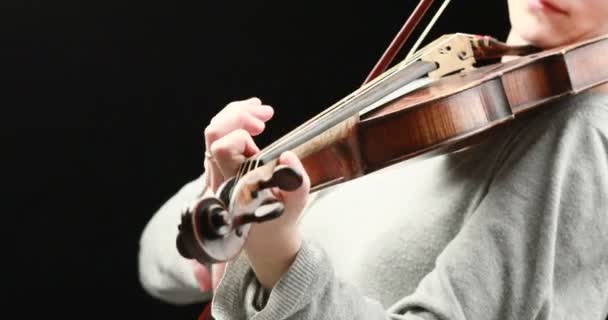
[[541, 39], [544, 31], [543, 35]]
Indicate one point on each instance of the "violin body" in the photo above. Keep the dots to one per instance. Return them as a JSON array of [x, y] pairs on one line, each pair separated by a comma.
[[461, 107], [455, 111]]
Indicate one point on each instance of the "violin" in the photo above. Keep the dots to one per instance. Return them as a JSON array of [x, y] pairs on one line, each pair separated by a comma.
[[436, 101]]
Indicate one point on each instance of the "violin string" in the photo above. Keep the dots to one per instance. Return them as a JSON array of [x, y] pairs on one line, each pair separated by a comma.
[[340, 104], [255, 161], [428, 28], [318, 118], [344, 102], [250, 164]]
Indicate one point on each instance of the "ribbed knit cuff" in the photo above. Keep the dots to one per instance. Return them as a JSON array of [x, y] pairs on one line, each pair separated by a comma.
[[294, 290], [228, 300], [297, 286]]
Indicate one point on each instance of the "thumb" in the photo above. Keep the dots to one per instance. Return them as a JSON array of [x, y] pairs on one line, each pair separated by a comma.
[[296, 199]]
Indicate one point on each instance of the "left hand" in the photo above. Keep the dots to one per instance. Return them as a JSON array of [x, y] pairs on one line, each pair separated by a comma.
[[272, 246]]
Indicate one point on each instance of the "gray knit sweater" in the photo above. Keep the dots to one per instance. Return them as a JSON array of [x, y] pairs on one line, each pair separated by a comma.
[[514, 228]]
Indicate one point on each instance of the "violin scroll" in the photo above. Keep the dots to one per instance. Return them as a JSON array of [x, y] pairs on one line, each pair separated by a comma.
[[211, 231]]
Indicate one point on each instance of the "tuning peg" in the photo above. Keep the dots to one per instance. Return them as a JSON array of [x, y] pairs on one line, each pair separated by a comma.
[[182, 248], [270, 210], [283, 177], [184, 235]]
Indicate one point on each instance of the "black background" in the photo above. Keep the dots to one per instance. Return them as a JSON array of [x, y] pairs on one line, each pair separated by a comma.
[[104, 104]]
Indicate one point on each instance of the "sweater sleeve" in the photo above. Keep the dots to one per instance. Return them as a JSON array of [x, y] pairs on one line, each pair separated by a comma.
[[163, 272], [533, 248]]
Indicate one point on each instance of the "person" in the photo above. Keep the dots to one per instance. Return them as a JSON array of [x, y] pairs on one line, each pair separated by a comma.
[[515, 227]]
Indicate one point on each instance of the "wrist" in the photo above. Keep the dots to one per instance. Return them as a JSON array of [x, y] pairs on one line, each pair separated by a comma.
[[271, 252]]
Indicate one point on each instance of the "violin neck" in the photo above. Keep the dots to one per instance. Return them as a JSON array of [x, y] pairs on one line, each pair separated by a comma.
[[319, 131], [334, 156], [327, 143]]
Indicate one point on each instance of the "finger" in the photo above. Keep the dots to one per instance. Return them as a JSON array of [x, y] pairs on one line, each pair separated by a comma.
[[216, 177], [263, 112], [252, 100], [295, 200], [290, 159], [201, 274], [254, 106], [228, 121], [232, 149]]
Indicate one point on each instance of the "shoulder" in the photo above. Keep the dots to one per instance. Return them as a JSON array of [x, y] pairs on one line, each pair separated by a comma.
[[582, 112], [559, 153], [566, 128]]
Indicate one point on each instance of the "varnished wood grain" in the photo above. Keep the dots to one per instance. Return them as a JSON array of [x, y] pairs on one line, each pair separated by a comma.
[[453, 112]]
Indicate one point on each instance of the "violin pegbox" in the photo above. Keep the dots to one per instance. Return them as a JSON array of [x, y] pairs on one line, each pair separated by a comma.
[[253, 199], [211, 232], [457, 52]]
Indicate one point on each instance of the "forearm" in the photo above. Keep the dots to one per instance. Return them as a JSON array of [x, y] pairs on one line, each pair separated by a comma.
[[308, 290], [272, 256], [163, 272]]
